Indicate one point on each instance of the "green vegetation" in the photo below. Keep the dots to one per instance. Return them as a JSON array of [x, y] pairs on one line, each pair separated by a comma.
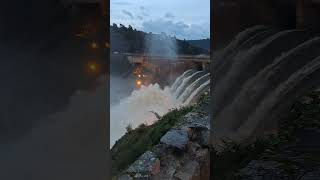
[[201, 43], [235, 157], [129, 40], [135, 142]]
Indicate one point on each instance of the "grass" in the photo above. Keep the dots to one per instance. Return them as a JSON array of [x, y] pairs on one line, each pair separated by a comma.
[[136, 141]]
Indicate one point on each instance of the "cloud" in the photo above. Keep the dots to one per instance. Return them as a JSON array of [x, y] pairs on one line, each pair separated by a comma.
[[169, 15], [179, 29], [145, 14], [144, 11], [140, 17], [128, 13]]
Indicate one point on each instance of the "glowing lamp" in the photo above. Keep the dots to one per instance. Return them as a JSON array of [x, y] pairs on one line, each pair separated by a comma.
[[94, 45], [139, 82], [93, 67]]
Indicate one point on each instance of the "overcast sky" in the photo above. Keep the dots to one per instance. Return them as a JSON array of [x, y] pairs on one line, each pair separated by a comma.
[[186, 19]]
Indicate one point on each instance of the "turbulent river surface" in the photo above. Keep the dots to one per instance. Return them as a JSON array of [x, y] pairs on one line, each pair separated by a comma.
[[136, 108]]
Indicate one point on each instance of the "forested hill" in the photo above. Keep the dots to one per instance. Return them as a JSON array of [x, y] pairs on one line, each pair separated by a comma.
[[128, 40], [201, 43]]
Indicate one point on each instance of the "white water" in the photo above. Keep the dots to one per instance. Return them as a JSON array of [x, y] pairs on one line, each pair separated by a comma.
[[191, 88], [136, 108]]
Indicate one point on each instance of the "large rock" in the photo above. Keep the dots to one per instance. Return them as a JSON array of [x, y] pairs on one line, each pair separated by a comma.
[[169, 164], [195, 120], [189, 171], [203, 158], [176, 138], [145, 166]]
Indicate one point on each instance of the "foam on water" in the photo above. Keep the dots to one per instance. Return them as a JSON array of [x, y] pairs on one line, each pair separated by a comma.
[[137, 108]]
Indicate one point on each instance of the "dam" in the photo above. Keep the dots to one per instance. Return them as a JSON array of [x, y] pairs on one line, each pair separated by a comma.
[[162, 69]]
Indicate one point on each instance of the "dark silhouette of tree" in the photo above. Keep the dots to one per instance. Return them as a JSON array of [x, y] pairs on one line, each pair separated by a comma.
[[129, 40]]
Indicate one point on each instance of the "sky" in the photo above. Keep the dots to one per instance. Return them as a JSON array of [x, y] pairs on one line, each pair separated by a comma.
[[185, 19]]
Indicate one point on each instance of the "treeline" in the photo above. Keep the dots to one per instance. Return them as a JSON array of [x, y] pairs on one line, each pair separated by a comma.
[[129, 40]]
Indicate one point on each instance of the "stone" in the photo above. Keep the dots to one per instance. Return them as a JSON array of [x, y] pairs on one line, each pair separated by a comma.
[[160, 150], [203, 158], [175, 138], [169, 164], [195, 121], [145, 166], [193, 147], [189, 131], [189, 171], [202, 155]]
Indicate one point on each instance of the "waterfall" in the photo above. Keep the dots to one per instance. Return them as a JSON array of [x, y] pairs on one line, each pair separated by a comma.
[[191, 88], [186, 81], [136, 108], [259, 78], [197, 92], [179, 80]]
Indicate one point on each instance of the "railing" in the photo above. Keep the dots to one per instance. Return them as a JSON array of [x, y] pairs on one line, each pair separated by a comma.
[[139, 58]]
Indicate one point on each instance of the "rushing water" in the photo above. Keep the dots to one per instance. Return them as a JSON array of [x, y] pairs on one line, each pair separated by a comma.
[[137, 108], [257, 78]]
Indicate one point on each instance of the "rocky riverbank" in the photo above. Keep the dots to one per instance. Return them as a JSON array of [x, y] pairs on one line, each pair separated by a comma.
[[180, 152]]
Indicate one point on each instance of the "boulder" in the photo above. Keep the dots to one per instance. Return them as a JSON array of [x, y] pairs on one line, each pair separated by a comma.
[[169, 164], [175, 138], [195, 121], [145, 166], [193, 147], [189, 171]]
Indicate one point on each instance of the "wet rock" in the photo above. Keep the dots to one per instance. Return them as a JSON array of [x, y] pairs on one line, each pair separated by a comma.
[[145, 166], [175, 138], [189, 171]]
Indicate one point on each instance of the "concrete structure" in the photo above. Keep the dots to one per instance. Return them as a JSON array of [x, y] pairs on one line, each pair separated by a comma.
[[200, 61], [169, 67]]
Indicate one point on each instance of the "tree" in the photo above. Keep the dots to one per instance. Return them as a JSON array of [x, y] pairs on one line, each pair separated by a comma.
[[129, 128]]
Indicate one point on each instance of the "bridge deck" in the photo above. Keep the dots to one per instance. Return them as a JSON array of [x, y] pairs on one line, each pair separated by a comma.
[[139, 58]]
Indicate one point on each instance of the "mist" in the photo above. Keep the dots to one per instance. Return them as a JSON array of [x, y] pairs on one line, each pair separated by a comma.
[[161, 45]]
